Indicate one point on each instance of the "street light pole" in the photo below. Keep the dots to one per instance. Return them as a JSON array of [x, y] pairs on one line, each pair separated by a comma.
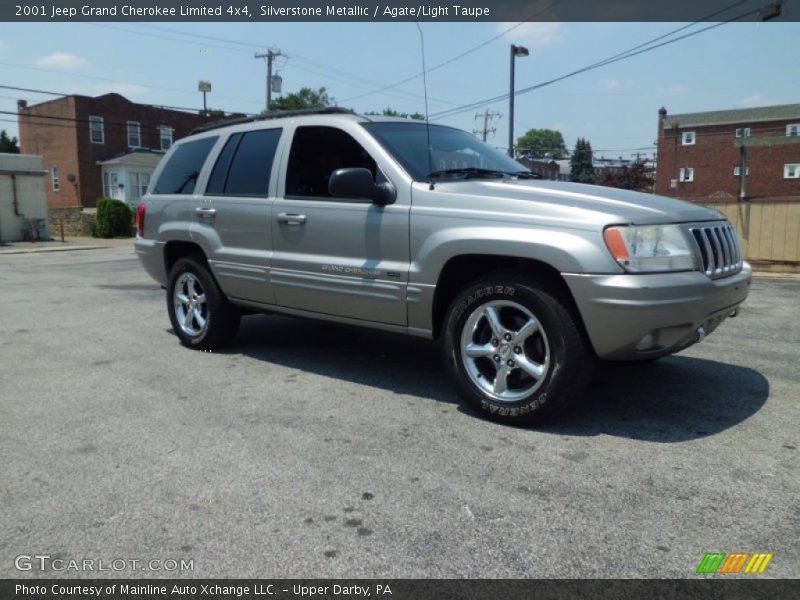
[[205, 87], [515, 52]]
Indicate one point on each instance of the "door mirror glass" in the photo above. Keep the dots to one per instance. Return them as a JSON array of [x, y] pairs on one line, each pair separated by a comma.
[[357, 182]]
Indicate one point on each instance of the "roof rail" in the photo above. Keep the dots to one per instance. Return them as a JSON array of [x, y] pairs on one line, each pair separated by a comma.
[[278, 114]]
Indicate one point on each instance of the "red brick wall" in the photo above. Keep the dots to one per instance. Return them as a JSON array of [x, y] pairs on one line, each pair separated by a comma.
[[547, 169], [68, 144], [714, 156], [55, 140]]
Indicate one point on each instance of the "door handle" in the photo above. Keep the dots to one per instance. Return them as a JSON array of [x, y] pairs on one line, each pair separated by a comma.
[[291, 219], [205, 213]]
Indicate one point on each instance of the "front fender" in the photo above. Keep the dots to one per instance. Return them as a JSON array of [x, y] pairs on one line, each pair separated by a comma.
[[567, 251]]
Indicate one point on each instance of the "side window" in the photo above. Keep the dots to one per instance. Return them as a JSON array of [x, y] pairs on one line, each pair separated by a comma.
[[316, 153], [179, 175], [244, 165]]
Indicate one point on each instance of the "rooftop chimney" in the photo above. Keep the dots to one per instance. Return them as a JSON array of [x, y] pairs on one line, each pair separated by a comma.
[[22, 104]]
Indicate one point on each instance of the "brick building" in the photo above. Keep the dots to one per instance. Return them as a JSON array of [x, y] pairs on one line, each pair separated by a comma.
[[546, 169], [700, 155], [745, 163], [102, 146]]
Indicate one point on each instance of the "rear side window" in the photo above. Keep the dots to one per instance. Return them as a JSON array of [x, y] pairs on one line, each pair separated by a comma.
[[244, 165], [179, 175]]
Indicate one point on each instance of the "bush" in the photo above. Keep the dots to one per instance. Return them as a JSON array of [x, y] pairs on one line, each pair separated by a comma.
[[113, 219]]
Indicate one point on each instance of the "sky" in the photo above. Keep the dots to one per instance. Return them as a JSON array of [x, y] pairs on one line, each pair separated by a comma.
[[615, 107]]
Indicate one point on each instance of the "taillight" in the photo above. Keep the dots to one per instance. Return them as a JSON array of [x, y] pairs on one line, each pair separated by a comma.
[[141, 210]]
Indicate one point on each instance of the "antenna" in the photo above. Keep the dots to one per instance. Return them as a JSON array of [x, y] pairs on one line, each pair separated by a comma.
[[427, 120]]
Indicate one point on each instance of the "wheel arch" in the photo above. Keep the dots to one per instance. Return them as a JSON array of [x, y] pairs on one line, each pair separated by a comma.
[[175, 250], [460, 270]]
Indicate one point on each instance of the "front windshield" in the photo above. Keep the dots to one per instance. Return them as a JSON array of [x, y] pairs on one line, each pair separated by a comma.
[[454, 153]]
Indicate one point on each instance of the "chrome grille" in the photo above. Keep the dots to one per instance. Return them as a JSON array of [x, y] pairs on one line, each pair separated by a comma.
[[719, 249]]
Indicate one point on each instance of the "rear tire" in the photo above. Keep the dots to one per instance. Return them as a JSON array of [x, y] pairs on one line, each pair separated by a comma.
[[201, 316], [515, 349]]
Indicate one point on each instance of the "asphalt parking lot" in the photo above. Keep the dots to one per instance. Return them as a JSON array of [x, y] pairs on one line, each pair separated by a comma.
[[315, 450]]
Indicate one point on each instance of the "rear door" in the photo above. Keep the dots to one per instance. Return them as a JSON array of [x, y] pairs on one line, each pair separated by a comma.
[[174, 188], [338, 256], [234, 218]]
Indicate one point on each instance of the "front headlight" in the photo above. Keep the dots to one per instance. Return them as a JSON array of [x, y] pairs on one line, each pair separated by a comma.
[[650, 248]]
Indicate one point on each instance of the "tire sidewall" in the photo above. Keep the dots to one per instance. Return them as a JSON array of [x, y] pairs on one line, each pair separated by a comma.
[[541, 305]]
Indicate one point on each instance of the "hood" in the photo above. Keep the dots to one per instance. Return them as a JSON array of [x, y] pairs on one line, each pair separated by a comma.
[[589, 204]]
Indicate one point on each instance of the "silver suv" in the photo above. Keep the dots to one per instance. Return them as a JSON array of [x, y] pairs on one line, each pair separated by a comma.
[[391, 224]]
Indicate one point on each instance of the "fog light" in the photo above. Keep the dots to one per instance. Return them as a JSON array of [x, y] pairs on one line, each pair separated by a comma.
[[647, 342]]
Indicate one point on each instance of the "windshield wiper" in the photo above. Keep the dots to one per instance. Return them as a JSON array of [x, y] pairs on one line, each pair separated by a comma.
[[476, 172]]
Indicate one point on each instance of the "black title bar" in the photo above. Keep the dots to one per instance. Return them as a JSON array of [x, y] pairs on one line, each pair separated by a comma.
[[394, 10], [733, 588]]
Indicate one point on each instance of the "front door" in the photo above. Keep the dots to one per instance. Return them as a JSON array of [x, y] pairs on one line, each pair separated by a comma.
[[337, 256]]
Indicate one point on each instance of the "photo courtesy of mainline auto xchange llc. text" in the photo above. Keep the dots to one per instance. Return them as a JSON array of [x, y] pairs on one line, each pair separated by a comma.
[[409, 304]]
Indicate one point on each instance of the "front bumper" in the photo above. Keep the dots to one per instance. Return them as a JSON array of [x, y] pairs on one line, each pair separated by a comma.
[[630, 317]]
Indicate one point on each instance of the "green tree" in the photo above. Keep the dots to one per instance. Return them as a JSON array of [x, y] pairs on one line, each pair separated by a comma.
[[636, 177], [213, 112], [9, 145], [542, 143], [390, 112], [581, 168], [305, 98]]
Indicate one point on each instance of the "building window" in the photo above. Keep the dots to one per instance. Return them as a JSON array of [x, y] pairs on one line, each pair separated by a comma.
[[56, 179], [110, 184], [793, 129], [138, 186], [687, 174], [738, 170], [96, 131], [166, 137], [742, 132], [791, 171], [688, 138], [134, 134]]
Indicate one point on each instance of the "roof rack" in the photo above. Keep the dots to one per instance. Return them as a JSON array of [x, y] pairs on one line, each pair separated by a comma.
[[279, 114]]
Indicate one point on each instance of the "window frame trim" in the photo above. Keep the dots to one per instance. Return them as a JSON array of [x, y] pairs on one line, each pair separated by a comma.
[[161, 129], [687, 133], [138, 130], [102, 122], [796, 167]]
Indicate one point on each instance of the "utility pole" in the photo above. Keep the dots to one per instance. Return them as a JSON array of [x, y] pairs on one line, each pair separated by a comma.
[[269, 57], [487, 117]]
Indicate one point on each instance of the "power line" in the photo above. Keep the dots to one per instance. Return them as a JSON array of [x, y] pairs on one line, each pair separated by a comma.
[[631, 52], [64, 95], [106, 79], [456, 57], [327, 68]]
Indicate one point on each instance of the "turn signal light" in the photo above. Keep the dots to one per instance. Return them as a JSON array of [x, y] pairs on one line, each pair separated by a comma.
[[616, 243]]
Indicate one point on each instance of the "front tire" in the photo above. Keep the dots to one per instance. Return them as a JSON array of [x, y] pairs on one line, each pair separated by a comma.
[[514, 348], [201, 316]]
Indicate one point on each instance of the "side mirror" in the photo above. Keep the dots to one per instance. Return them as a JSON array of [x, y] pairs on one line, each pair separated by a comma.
[[357, 182]]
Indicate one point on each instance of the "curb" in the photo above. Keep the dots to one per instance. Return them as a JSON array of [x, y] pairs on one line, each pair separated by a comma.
[[38, 250]]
